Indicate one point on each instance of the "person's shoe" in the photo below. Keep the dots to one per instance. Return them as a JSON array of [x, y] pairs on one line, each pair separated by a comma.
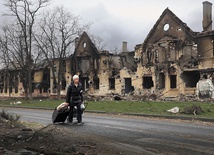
[[80, 123]]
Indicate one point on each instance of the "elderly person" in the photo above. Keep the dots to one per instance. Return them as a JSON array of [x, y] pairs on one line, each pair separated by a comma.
[[74, 97]]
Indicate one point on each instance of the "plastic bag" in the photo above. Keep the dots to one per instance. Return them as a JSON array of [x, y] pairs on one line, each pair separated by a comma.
[[82, 106]]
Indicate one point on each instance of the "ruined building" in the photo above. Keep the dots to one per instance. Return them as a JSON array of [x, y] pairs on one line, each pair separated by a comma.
[[173, 57], [99, 71], [169, 62]]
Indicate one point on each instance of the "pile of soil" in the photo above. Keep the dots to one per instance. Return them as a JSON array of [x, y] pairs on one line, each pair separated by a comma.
[[31, 138]]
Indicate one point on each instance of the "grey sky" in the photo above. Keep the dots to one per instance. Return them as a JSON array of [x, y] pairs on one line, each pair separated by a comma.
[[129, 20]]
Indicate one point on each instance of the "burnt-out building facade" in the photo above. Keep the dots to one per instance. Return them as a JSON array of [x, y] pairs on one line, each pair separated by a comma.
[[173, 58], [169, 63], [99, 71], [170, 56]]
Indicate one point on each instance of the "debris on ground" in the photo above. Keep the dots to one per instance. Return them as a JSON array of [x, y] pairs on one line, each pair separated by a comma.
[[174, 110], [193, 110], [15, 103], [32, 138], [146, 96]]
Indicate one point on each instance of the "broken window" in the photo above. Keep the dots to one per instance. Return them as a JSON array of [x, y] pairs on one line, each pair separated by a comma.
[[172, 51], [16, 90], [148, 82], [161, 81], [111, 83], [156, 56], [45, 89], [84, 45], [46, 81], [46, 76], [2, 83], [85, 65], [5, 87], [63, 84], [96, 83], [166, 27], [173, 81], [16, 83], [128, 85], [2, 86], [64, 66], [85, 83], [191, 78], [11, 89], [149, 55], [75, 66]]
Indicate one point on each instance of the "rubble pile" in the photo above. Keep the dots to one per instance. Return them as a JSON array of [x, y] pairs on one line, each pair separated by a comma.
[[144, 97], [193, 110]]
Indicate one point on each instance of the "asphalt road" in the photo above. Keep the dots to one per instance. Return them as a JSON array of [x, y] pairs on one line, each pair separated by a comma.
[[138, 135]]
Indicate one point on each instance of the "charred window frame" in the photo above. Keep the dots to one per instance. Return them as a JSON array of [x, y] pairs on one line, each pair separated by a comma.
[[16, 90], [16, 84], [149, 55], [173, 81], [111, 83], [2, 84], [191, 78], [161, 81], [63, 82], [11, 82], [148, 82], [10, 89], [64, 66], [5, 86], [96, 83], [156, 56], [45, 89], [85, 83]]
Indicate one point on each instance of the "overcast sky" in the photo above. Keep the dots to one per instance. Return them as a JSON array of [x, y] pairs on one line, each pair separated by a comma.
[[129, 20]]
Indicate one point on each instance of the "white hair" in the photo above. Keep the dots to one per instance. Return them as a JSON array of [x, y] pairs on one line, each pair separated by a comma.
[[75, 77]]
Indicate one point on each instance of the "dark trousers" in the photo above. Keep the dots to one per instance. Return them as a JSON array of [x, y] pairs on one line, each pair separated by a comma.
[[79, 113]]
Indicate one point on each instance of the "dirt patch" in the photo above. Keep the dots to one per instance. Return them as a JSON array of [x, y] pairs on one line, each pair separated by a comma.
[[33, 138]]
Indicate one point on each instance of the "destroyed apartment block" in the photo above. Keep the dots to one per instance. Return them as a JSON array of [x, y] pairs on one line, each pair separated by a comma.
[[168, 64]]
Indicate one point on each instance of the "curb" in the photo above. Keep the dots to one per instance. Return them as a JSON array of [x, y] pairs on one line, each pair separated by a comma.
[[126, 114], [156, 116]]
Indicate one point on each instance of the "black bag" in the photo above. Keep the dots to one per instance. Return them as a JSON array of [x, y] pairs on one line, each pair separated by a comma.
[[60, 115]]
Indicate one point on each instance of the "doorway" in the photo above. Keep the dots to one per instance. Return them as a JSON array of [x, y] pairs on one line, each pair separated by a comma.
[[173, 81], [128, 85]]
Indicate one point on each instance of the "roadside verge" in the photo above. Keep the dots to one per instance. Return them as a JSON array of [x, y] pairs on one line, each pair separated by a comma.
[[190, 118]]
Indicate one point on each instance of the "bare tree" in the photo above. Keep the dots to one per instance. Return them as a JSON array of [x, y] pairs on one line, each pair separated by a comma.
[[14, 57], [24, 13], [55, 37], [98, 41], [115, 50]]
